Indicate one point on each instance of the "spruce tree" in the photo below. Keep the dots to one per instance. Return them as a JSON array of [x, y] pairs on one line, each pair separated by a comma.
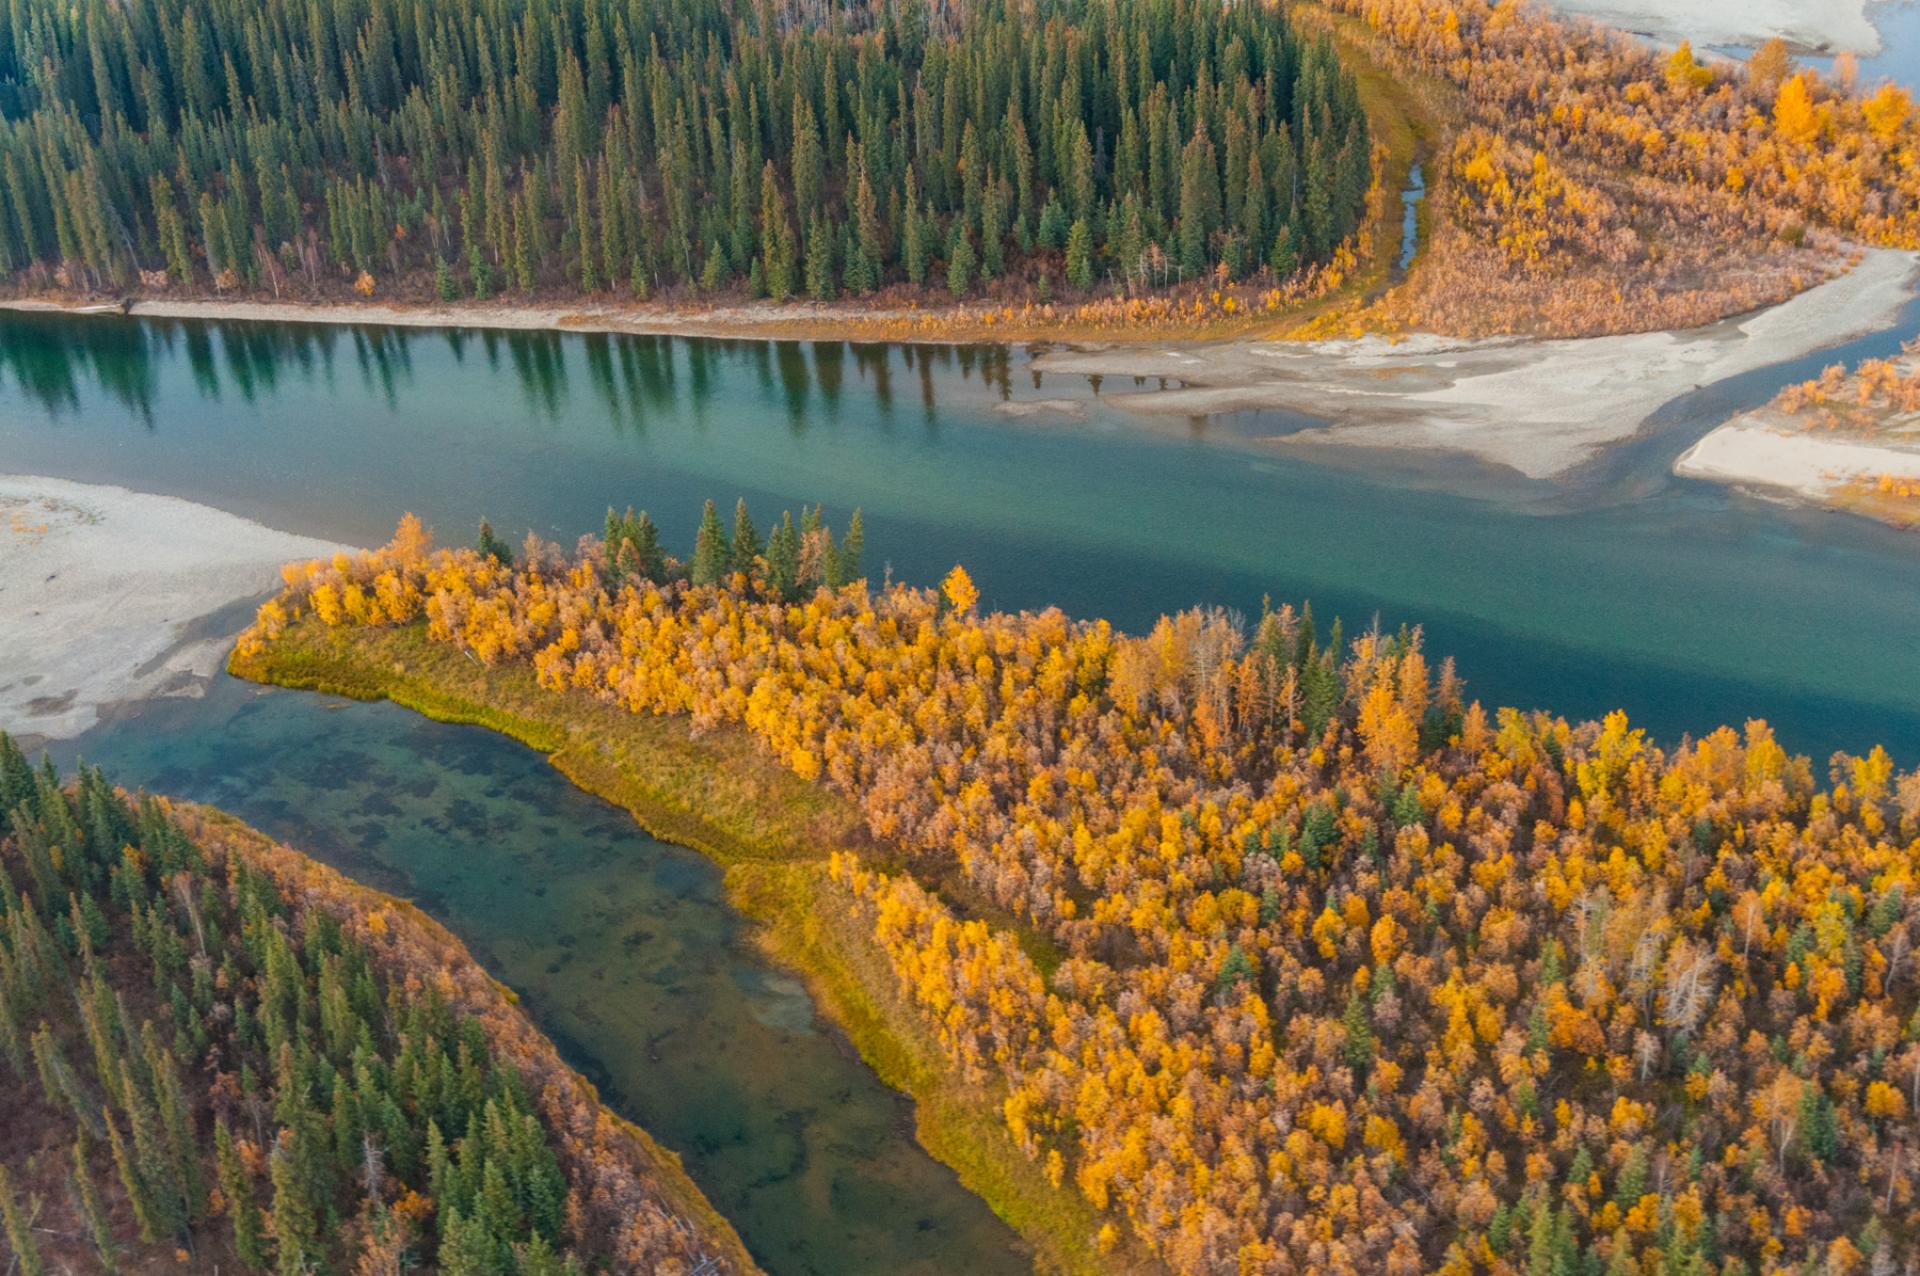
[[851, 548], [236, 1190], [1080, 255], [960, 262], [746, 540], [93, 1211], [783, 559], [710, 548]]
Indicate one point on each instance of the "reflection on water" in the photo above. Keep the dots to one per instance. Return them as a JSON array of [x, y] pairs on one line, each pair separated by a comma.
[[620, 946], [50, 359], [1684, 605]]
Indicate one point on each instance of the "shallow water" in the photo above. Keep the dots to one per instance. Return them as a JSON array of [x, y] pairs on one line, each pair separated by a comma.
[[1410, 200], [620, 946]]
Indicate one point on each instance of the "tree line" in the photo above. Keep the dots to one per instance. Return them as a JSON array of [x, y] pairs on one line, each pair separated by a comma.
[[480, 146]]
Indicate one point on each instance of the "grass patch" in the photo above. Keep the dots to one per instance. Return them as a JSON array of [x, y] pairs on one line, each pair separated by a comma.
[[716, 792], [719, 793]]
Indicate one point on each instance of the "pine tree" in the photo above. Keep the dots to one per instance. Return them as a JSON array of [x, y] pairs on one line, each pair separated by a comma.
[[847, 559], [493, 547], [746, 540], [710, 548], [1199, 202], [776, 238], [783, 559], [960, 262], [236, 1189], [820, 280], [295, 1221], [93, 1211], [1080, 255]]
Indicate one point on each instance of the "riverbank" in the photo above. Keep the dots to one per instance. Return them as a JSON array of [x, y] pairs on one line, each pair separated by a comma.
[[1537, 407], [1193, 315], [1875, 477], [1807, 26], [620, 1168], [717, 793], [105, 593]]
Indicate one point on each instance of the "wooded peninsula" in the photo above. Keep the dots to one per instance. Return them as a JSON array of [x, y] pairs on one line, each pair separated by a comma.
[[1265, 949]]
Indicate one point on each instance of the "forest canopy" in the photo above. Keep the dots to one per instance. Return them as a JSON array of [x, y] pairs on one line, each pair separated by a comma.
[[221, 1054], [1270, 944], [638, 145]]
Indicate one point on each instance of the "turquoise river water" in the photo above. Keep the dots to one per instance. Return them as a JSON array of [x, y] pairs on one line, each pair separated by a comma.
[[1683, 604]]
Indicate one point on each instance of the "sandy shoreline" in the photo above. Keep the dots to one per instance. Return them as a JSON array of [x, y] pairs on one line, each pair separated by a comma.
[[100, 589], [1808, 26], [1769, 454], [756, 321], [1538, 407]]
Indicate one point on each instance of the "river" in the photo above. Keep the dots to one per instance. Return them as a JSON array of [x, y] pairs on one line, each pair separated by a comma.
[[1686, 605]]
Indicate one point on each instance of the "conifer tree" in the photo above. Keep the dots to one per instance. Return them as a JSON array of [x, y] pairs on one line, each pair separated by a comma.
[[851, 547], [710, 549], [236, 1190], [93, 1211], [1080, 255], [746, 540], [960, 262]]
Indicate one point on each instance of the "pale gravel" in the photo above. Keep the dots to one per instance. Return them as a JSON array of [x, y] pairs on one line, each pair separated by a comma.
[[1751, 452], [1811, 26], [98, 588], [1538, 407]]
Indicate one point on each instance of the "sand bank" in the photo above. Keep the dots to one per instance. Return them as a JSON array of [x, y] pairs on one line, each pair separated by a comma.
[[793, 319], [100, 592], [1768, 454], [1808, 26], [1748, 452], [1539, 407]]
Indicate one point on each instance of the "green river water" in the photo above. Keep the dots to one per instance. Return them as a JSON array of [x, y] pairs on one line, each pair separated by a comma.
[[1679, 602]]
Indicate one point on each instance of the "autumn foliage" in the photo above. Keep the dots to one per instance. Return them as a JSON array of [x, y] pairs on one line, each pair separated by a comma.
[[1642, 189], [1274, 947]]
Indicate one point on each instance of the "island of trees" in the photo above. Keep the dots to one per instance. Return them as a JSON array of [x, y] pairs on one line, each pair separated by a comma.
[[220, 1055], [1265, 944]]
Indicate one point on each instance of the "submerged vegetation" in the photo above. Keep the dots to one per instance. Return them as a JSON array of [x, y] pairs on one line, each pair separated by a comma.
[[1271, 948], [227, 1056]]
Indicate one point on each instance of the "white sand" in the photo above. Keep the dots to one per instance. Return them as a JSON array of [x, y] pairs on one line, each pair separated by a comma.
[[1811, 26], [1539, 407], [1748, 452], [98, 586]]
